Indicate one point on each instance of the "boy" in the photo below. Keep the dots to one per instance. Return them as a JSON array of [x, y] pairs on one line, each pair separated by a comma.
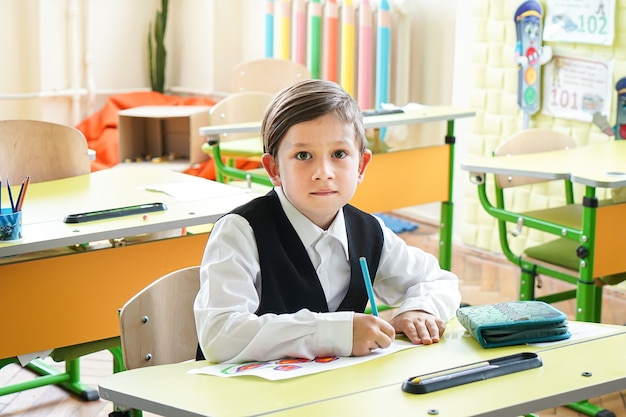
[[280, 275]]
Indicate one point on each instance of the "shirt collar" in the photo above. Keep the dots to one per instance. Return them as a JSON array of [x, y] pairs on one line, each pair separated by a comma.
[[308, 232]]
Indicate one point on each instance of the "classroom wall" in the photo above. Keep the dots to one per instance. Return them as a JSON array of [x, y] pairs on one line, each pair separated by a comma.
[[73, 54], [63, 58], [493, 95]]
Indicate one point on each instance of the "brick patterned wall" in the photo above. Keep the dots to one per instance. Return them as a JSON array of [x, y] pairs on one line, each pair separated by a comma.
[[493, 95]]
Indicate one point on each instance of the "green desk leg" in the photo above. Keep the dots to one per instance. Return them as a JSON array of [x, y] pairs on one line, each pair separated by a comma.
[[589, 409], [69, 380], [447, 208], [589, 299], [589, 296]]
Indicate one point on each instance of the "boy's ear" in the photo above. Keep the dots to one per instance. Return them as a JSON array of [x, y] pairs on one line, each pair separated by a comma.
[[365, 160], [270, 165]]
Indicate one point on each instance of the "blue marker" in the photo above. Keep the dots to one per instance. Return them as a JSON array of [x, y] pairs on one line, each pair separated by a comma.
[[368, 285]]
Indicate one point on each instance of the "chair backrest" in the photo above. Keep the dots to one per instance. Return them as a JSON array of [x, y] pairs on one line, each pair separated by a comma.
[[43, 151], [241, 107], [267, 74], [157, 325], [530, 141]]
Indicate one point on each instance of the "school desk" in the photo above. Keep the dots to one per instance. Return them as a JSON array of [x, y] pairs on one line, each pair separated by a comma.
[[57, 291], [395, 179], [373, 388], [598, 229]]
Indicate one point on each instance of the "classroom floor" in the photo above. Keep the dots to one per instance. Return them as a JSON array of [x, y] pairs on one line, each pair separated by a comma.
[[485, 278]]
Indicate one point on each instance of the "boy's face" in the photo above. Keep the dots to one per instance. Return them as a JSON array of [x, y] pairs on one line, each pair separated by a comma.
[[318, 167]]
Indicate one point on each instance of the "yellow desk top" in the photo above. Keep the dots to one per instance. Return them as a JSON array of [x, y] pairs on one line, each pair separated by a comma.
[[241, 147], [425, 114], [47, 204], [374, 387], [600, 164]]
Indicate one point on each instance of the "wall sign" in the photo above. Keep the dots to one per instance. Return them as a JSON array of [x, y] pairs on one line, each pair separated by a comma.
[[582, 21], [576, 88]]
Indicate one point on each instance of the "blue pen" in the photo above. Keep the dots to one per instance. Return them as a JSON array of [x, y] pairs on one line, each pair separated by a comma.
[[10, 196], [368, 285]]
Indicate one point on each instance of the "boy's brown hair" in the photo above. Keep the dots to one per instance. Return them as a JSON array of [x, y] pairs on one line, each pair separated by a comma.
[[307, 100]]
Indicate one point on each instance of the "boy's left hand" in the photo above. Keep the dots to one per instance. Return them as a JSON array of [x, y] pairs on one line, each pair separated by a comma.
[[419, 326]]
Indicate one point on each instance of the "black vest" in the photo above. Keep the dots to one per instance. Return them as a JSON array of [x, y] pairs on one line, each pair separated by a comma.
[[288, 279]]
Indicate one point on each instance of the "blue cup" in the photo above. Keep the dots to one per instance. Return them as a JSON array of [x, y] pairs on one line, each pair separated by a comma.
[[10, 225]]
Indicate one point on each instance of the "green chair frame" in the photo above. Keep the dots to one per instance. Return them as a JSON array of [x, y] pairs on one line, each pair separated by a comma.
[[224, 171], [558, 258]]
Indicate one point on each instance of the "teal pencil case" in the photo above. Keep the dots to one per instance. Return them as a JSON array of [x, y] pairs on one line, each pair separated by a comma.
[[513, 323]]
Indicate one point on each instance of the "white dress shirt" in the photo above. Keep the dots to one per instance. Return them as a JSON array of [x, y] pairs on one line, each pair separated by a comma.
[[228, 329]]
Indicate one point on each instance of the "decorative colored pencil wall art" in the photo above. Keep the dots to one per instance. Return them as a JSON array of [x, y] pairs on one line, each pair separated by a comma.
[[331, 41], [285, 27], [269, 28], [365, 59], [350, 42], [383, 53], [299, 31], [348, 47], [314, 35]]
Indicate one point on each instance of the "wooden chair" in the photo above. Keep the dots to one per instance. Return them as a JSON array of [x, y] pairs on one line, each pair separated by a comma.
[[557, 258], [253, 83], [241, 107], [268, 74], [47, 151], [157, 325], [42, 150]]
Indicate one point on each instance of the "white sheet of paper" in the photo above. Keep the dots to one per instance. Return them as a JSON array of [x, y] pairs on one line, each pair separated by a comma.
[[27, 358], [290, 367]]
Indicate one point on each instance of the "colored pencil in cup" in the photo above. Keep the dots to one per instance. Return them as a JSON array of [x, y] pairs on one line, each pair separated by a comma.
[[22, 195], [331, 40], [10, 195], [365, 61], [368, 285]]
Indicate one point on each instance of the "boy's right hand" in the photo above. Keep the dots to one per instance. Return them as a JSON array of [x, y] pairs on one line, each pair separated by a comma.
[[370, 333]]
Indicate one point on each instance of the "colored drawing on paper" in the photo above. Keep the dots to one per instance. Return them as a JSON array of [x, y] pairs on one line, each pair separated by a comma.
[[282, 365], [294, 367]]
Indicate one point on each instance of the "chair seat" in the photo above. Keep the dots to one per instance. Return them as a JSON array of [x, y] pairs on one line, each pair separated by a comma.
[[76, 351], [562, 252], [568, 215], [250, 147]]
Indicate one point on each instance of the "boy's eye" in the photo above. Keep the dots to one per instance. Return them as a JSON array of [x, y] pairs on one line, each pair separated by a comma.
[[339, 154], [303, 156]]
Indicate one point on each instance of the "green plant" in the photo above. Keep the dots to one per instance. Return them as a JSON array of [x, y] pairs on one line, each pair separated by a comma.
[[156, 49]]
